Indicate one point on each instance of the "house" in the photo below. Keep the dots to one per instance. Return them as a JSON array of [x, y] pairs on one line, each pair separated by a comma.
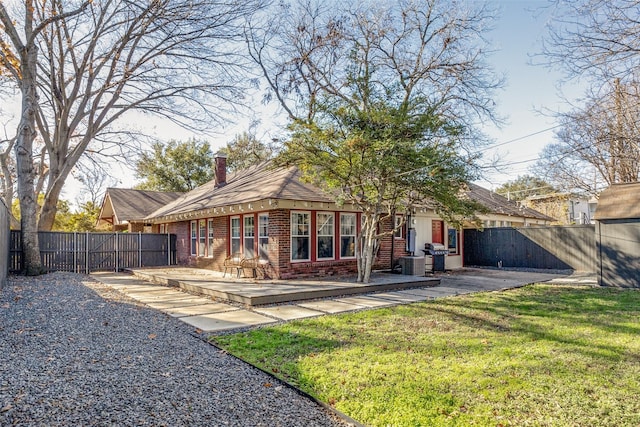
[[293, 227], [125, 209], [618, 236], [567, 208], [504, 212], [430, 228]]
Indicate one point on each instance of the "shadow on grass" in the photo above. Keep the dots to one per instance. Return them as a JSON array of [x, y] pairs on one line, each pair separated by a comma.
[[582, 318]]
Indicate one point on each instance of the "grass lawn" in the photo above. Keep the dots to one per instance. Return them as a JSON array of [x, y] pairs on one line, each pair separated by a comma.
[[538, 355]]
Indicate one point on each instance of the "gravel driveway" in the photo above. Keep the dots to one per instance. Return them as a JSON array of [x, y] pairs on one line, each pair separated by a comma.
[[74, 352]]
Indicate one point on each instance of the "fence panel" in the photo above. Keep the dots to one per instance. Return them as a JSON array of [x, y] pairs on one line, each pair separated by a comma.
[[571, 247], [87, 252]]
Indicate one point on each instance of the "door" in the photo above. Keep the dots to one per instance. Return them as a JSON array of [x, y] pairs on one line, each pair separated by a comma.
[[437, 231]]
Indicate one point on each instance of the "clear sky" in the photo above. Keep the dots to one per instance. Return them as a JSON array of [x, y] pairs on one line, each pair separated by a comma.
[[530, 89]]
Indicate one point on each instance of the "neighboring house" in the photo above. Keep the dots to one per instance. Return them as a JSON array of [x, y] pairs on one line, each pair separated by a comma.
[[504, 212], [618, 236], [294, 228], [125, 210], [568, 209]]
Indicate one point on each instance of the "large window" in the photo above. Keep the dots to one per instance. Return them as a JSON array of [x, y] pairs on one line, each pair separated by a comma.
[[263, 235], [325, 233], [194, 237], [249, 236], [347, 235], [210, 237], [202, 224], [235, 235], [300, 236]]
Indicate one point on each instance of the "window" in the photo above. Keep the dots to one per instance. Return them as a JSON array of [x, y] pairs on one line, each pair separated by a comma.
[[235, 235], [210, 237], [453, 241], [194, 237], [397, 231], [325, 233], [249, 236], [263, 236], [162, 229], [347, 235], [203, 236], [300, 236]]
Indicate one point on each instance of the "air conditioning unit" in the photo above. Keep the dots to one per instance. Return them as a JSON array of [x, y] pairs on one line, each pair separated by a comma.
[[412, 265]]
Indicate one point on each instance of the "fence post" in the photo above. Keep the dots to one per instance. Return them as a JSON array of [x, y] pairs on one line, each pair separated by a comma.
[[116, 252], [139, 249], [86, 251], [75, 252]]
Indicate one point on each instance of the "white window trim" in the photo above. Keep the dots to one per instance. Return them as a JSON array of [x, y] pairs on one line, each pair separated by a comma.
[[245, 236], [333, 236], [355, 235], [194, 236], [231, 238], [291, 236], [260, 235], [210, 238]]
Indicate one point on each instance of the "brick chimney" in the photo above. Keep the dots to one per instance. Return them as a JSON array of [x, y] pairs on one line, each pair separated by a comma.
[[220, 169]]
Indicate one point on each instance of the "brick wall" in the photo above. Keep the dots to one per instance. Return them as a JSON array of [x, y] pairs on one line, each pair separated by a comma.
[[279, 249]]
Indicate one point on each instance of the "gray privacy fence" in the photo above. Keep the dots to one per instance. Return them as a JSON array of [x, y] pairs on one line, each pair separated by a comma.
[[618, 252], [87, 252], [4, 242], [569, 247]]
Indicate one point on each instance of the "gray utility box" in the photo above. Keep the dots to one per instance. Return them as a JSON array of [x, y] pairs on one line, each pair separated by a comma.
[[412, 265]]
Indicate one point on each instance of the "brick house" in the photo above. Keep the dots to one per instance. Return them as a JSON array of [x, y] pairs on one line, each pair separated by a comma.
[[293, 227]]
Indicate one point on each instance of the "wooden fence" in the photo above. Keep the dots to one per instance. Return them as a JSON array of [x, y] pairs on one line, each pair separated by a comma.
[[87, 252], [569, 247]]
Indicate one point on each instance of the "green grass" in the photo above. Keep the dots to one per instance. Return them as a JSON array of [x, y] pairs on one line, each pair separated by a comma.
[[538, 355]]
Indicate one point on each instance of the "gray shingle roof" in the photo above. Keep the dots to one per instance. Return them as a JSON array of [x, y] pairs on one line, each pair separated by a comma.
[[134, 205], [501, 205], [258, 182], [619, 201]]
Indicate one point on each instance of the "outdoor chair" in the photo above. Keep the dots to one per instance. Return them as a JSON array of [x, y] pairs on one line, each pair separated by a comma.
[[233, 262]]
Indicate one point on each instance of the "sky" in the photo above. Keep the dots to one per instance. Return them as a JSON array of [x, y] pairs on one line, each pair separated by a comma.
[[528, 90]]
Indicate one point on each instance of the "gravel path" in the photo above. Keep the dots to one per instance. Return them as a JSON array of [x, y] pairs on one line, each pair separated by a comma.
[[74, 352]]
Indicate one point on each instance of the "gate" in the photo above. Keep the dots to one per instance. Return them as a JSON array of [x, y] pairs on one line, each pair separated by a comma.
[[87, 252]]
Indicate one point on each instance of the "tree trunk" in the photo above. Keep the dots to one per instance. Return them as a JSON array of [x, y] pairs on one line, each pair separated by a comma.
[[24, 164], [367, 243]]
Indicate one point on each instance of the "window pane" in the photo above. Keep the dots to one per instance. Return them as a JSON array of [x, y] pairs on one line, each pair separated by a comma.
[[235, 235], [347, 246], [347, 235], [210, 237], [300, 232], [203, 237], [263, 236], [324, 227], [300, 248], [194, 241]]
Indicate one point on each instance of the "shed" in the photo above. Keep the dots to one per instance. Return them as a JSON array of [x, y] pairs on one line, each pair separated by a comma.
[[618, 236]]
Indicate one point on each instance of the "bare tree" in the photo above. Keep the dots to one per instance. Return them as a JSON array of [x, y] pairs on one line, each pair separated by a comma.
[[383, 101], [599, 144], [594, 38], [82, 67]]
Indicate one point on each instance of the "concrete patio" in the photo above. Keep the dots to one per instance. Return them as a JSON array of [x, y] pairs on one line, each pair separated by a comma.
[[201, 310]]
